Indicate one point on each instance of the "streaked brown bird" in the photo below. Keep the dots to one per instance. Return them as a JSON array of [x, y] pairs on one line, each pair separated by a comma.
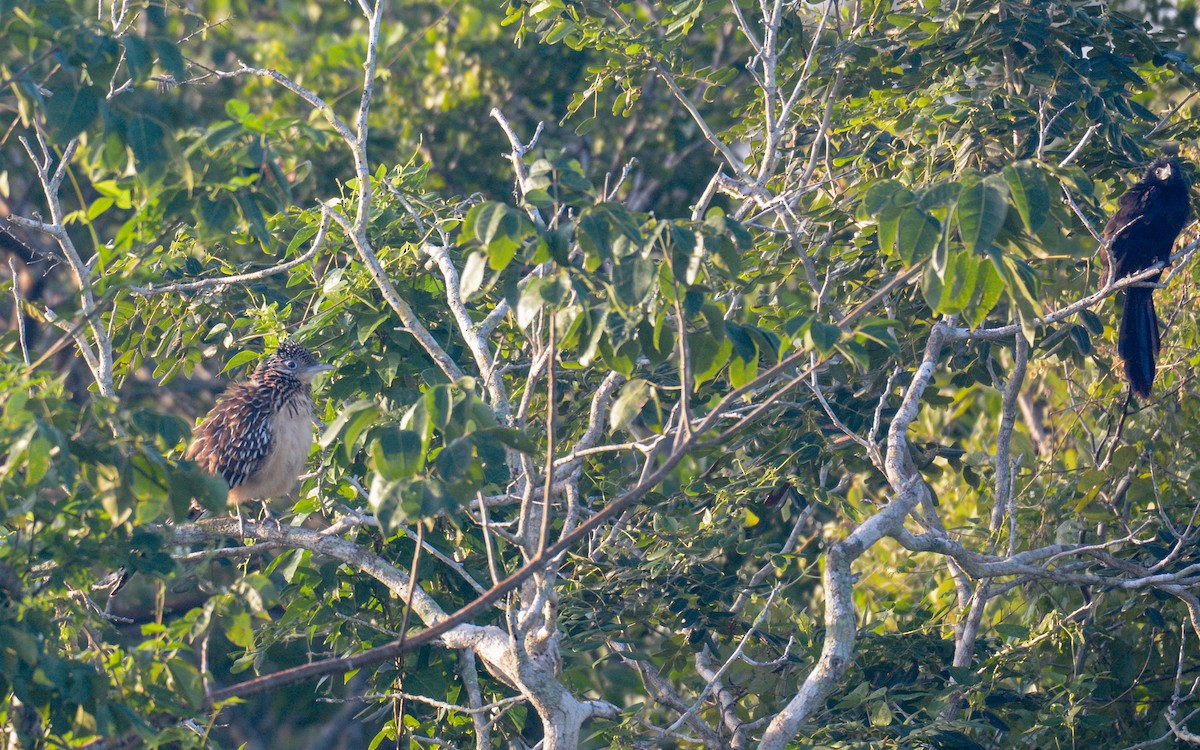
[[258, 435]]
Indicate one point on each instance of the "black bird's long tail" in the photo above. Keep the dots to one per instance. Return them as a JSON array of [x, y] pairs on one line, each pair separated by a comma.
[[1138, 340]]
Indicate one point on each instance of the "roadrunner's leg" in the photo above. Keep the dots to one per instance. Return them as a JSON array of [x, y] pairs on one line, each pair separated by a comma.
[[269, 517]]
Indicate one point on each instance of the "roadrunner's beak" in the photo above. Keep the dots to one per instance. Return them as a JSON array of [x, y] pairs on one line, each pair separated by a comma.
[[311, 371]]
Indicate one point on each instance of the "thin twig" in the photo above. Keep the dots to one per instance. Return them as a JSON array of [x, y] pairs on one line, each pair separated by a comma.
[[18, 311], [241, 278]]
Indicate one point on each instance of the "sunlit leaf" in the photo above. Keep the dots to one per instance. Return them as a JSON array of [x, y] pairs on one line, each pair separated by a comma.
[[1029, 193], [982, 206]]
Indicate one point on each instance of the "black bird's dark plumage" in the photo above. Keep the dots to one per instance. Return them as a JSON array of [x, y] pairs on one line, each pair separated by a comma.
[[1150, 215]]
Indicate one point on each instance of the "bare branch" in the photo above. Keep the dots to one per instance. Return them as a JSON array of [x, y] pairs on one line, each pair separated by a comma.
[[731, 159], [18, 311], [1079, 147], [412, 324], [485, 360], [97, 351], [840, 617], [194, 286], [517, 158], [308, 96], [1005, 331]]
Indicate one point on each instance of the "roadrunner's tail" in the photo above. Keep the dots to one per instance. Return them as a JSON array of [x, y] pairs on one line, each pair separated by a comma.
[[1138, 340]]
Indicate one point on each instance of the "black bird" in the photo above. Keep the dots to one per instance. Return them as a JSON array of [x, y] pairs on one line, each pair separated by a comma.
[[1150, 215]]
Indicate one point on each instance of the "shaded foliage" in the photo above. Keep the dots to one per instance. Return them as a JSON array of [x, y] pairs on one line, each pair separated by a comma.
[[919, 176]]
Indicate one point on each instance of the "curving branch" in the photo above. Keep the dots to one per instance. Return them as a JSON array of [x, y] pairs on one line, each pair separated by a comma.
[[241, 278], [96, 350], [485, 359], [534, 677], [1178, 260], [841, 620], [313, 100], [356, 140], [397, 581]]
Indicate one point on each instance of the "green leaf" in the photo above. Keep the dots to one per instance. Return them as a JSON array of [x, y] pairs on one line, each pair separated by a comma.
[[958, 283], [560, 31], [138, 57], [1083, 341], [629, 403], [889, 226], [917, 234], [439, 403], [982, 206], [742, 371], [71, 111], [594, 235], [939, 195], [1022, 284], [509, 436], [489, 220], [854, 352], [1092, 322], [386, 501], [932, 287], [454, 461], [883, 197], [397, 453], [188, 482], [989, 287], [964, 675], [394, 502], [695, 260], [1012, 631], [823, 336], [500, 229], [348, 412], [744, 346], [240, 359], [708, 355], [530, 302], [882, 331], [472, 275], [941, 255], [358, 422], [656, 341], [880, 714], [237, 109], [620, 358], [239, 631], [187, 682], [1029, 193], [170, 58], [633, 278], [500, 253]]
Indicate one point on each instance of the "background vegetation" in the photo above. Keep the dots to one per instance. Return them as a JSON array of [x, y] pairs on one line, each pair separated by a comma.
[[710, 374]]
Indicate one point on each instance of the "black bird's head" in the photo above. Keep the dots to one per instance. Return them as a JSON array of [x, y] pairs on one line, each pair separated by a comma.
[[294, 360], [1165, 170]]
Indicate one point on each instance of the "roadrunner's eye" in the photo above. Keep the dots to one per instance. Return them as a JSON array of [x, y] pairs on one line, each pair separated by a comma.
[[291, 364]]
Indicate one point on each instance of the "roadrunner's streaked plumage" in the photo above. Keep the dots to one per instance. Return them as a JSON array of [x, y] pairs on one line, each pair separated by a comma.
[[258, 435]]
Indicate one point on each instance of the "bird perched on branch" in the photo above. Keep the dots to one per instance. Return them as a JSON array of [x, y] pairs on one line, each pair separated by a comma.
[[258, 435], [1150, 215]]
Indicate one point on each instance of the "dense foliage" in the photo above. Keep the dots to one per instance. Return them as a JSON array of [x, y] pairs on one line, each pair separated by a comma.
[[748, 359]]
